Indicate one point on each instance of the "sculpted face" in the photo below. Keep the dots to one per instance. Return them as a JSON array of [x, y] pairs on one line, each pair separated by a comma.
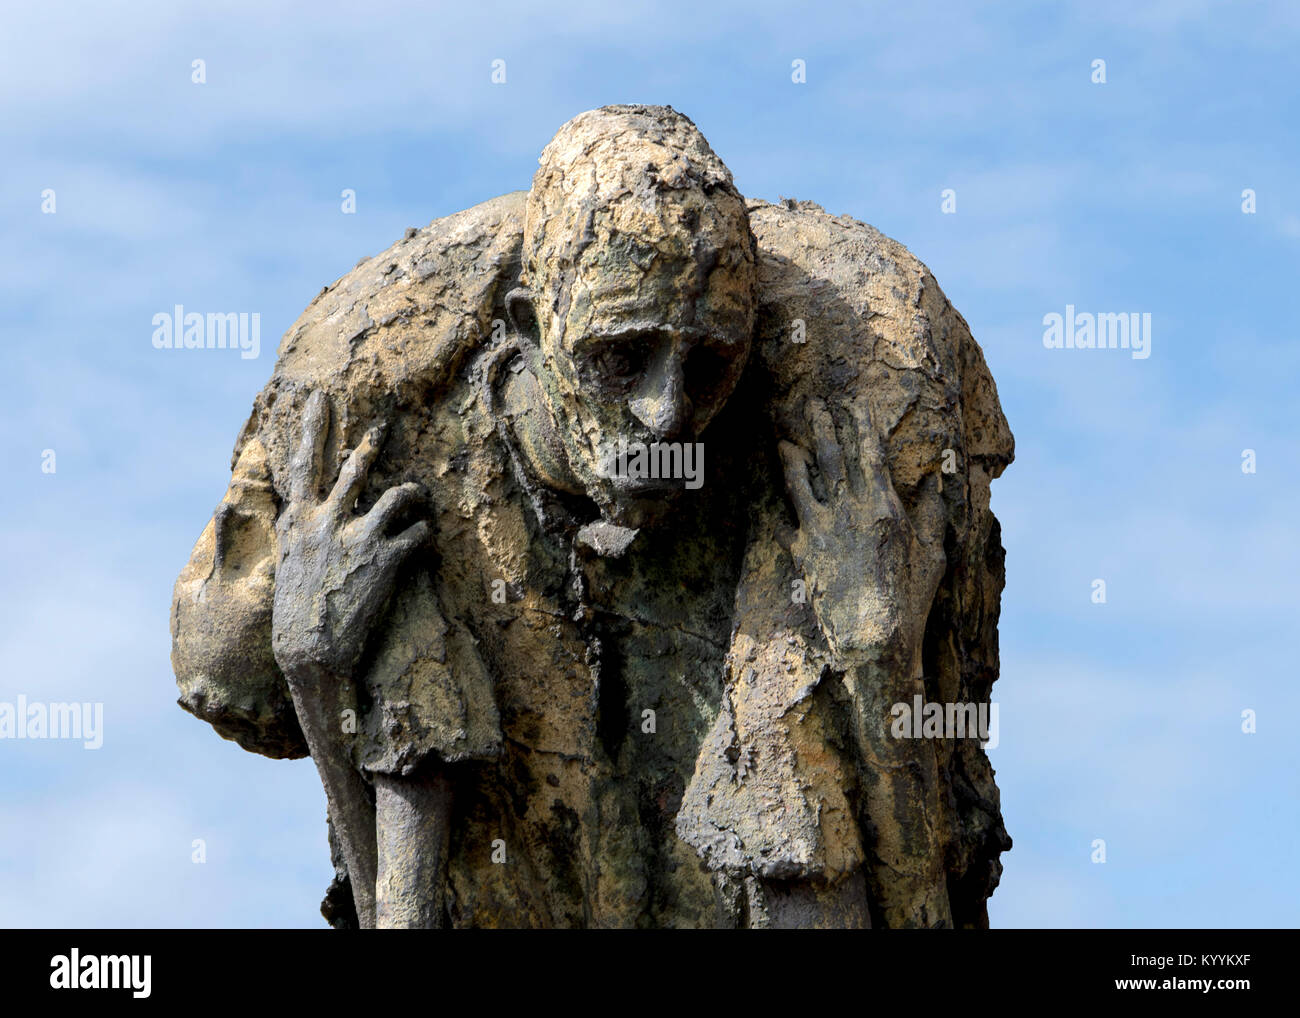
[[650, 366], [641, 271]]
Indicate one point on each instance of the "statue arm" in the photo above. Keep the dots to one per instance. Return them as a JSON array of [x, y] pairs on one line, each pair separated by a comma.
[[777, 740], [874, 328], [872, 571], [335, 576]]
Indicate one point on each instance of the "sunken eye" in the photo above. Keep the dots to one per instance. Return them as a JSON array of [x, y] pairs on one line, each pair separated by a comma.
[[617, 364], [706, 370]]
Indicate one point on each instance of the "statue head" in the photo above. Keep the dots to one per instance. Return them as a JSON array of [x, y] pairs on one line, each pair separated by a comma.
[[639, 267]]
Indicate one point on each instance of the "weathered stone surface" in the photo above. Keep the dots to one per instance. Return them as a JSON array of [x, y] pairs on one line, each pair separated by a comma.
[[541, 695]]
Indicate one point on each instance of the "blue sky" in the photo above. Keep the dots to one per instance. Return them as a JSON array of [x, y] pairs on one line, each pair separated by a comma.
[[1119, 721]]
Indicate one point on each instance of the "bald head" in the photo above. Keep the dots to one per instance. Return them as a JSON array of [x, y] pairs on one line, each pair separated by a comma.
[[630, 210], [640, 266]]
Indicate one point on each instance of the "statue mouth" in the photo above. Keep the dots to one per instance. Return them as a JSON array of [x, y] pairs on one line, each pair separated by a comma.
[[648, 489], [650, 467]]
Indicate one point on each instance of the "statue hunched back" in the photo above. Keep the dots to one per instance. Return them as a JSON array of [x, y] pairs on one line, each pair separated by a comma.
[[598, 543]]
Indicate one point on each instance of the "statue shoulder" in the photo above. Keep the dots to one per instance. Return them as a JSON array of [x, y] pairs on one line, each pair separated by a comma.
[[843, 308], [407, 304], [386, 340], [849, 283]]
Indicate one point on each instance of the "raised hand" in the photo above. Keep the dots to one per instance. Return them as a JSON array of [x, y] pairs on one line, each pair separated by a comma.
[[871, 575], [336, 570], [335, 573]]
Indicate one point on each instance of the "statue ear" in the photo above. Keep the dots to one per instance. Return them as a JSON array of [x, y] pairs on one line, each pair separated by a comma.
[[522, 315]]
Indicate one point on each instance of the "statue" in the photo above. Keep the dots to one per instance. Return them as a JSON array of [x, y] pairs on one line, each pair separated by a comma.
[[555, 665]]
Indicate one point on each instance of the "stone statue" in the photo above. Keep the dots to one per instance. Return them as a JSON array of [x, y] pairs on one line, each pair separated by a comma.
[[554, 664]]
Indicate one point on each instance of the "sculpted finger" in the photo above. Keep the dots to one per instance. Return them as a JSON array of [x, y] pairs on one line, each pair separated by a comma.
[[830, 457], [305, 469], [265, 569], [398, 548], [795, 461], [872, 442], [222, 525], [390, 503], [867, 451], [872, 453], [881, 498], [930, 518], [352, 478]]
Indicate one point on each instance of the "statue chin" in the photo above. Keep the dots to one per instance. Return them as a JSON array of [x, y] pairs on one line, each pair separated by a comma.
[[561, 466], [638, 505]]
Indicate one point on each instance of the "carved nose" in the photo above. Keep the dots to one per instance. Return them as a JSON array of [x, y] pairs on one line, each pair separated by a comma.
[[666, 408]]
